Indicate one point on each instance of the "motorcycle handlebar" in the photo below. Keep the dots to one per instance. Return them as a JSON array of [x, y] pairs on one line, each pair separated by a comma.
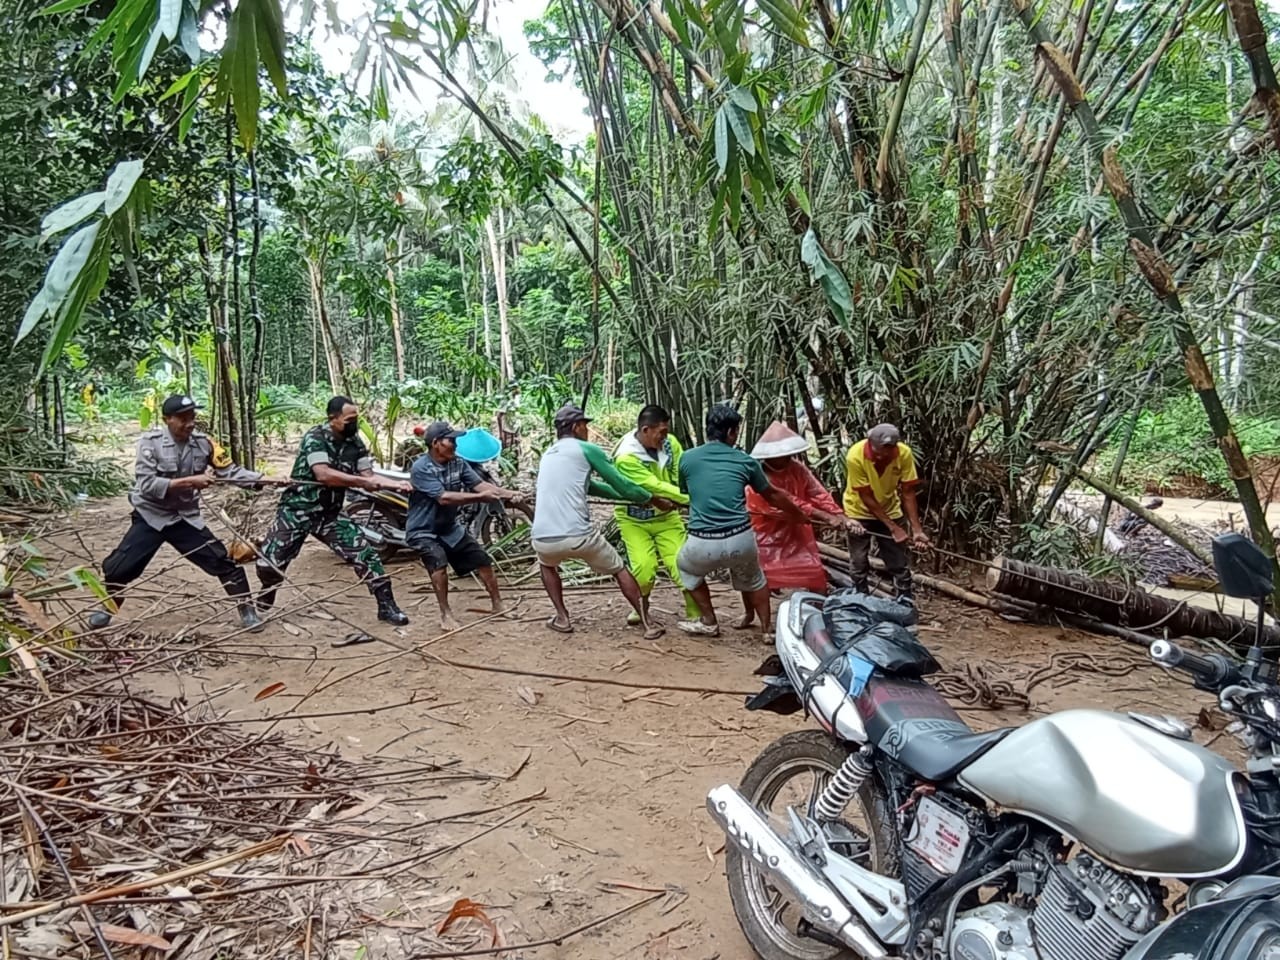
[[1213, 670]]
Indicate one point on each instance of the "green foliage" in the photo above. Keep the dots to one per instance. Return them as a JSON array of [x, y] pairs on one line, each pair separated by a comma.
[[1174, 441]]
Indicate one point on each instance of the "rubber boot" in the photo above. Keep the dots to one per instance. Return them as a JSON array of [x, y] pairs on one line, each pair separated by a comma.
[[249, 618], [387, 609], [270, 581]]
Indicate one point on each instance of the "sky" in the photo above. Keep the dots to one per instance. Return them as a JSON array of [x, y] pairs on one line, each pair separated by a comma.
[[560, 104]]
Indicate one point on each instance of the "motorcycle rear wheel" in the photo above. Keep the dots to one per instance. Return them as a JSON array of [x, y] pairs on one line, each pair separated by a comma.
[[866, 830]]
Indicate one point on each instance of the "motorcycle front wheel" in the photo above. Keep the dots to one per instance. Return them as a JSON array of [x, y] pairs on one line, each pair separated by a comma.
[[792, 772]]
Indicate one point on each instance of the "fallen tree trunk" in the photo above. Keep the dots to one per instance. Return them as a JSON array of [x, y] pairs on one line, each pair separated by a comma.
[[1120, 604], [836, 561]]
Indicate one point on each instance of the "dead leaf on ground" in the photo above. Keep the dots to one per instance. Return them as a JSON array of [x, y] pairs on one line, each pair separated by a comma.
[[125, 935], [320, 615], [290, 629], [269, 691], [35, 612], [469, 908], [528, 695], [1208, 719]]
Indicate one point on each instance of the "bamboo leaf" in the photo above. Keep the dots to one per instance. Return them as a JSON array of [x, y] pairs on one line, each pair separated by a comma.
[[179, 85], [741, 127], [717, 212], [238, 74], [786, 19], [189, 35], [71, 213], [120, 185], [722, 140], [169, 19], [744, 98], [188, 111], [88, 284], [64, 6], [733, 186], [834, 285], [71, 258], [271, 42]]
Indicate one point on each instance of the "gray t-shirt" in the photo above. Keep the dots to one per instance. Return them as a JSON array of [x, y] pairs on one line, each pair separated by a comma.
[[428, 517], [564, 480]]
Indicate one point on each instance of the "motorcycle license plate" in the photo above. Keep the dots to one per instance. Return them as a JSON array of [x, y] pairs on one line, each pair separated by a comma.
[[939, 836]]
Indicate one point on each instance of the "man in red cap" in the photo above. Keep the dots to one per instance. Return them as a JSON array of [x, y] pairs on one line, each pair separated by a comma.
[[789, 550], [881, 486]]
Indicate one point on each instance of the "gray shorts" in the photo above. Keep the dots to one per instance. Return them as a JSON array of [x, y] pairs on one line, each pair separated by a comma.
[[593, 550], [738, 554]]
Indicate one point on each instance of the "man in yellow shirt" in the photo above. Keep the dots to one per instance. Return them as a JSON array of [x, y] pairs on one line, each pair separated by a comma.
[[882, 480]]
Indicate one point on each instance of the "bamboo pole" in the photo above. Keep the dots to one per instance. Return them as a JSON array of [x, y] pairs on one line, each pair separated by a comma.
[[1157, 273]]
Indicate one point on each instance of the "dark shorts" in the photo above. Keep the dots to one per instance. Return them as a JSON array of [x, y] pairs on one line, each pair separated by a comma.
[[466, 556]]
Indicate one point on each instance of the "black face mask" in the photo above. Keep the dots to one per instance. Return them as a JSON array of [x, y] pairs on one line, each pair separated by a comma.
[[349, 430]]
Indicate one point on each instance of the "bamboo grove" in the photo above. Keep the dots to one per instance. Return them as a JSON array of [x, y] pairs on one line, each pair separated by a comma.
[[1009, 226]]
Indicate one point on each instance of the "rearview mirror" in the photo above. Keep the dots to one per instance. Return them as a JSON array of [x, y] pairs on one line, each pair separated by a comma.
[[1243, 569]]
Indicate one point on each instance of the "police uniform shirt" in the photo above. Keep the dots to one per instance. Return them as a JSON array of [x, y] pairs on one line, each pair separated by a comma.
[[162, 459]]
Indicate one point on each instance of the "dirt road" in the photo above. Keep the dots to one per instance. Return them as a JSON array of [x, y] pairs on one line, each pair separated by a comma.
[[619, 772]]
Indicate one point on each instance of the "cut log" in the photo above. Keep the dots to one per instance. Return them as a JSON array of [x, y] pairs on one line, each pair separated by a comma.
[[1117, 603]]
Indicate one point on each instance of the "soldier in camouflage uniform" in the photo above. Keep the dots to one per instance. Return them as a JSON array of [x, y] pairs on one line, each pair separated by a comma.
[[172, 468], [332, 458]]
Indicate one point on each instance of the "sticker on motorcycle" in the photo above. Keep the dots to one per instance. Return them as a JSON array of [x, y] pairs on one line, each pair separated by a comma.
[[939, 836]]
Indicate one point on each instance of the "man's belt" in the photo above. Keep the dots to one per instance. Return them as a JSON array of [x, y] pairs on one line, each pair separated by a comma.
[[722, 534]]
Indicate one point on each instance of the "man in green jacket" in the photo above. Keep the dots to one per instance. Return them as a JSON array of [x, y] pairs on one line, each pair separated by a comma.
[[650, 458]]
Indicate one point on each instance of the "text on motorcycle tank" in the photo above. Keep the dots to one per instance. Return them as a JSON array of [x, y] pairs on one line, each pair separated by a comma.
[[939, 835]]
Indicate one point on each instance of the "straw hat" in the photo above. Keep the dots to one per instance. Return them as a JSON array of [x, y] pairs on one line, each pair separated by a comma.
[[779, 440]]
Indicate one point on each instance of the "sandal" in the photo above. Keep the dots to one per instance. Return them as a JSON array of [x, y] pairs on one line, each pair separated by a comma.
[[654, 631], [559, 628], [698, 628]]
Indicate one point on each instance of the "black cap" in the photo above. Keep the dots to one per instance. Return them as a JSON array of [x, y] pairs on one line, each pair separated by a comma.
[[570, 414], [178, 403], [441, 430]]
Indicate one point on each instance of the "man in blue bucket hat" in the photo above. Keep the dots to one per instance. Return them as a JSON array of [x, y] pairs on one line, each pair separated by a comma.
[[443, 481]]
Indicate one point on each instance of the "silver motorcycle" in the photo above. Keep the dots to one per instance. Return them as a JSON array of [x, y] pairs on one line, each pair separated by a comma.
[[897, 831]]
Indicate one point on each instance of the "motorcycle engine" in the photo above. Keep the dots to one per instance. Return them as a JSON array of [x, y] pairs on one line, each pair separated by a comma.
[[1084, 911]]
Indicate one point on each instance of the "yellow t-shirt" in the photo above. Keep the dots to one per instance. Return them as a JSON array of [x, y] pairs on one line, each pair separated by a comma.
[[862, 472]]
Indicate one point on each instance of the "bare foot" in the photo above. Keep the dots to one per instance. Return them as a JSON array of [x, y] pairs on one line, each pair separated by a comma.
[[449, 622], [744, 622], [498, 607]]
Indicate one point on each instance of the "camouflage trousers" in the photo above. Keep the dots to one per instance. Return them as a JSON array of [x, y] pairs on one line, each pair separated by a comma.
[[291, 528]]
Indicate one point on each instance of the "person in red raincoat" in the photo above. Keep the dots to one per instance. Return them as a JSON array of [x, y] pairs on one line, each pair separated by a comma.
[[789, 551]]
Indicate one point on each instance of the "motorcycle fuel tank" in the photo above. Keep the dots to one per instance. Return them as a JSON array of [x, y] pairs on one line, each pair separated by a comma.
[[1145, 801]]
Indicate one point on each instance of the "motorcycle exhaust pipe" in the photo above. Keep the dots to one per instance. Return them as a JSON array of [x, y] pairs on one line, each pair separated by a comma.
[[799, 879]]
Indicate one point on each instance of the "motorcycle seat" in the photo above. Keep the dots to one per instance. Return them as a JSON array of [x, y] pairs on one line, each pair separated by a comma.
[[939, 757], [911, 722]]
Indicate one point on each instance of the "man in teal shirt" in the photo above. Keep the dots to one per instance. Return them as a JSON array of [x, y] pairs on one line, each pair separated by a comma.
[[562, 527], [716, 476]]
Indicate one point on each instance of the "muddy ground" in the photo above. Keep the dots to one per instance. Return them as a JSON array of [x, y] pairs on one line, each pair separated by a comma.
[[619, 774]]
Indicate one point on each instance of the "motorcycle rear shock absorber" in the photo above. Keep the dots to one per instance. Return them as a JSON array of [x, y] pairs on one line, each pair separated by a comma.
[[846, 782]]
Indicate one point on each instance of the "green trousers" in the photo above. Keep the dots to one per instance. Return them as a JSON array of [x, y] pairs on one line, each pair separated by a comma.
[[650, 541]]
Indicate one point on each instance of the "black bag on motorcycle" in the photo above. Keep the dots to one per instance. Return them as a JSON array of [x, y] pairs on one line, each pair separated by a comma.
[[875, 630]]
